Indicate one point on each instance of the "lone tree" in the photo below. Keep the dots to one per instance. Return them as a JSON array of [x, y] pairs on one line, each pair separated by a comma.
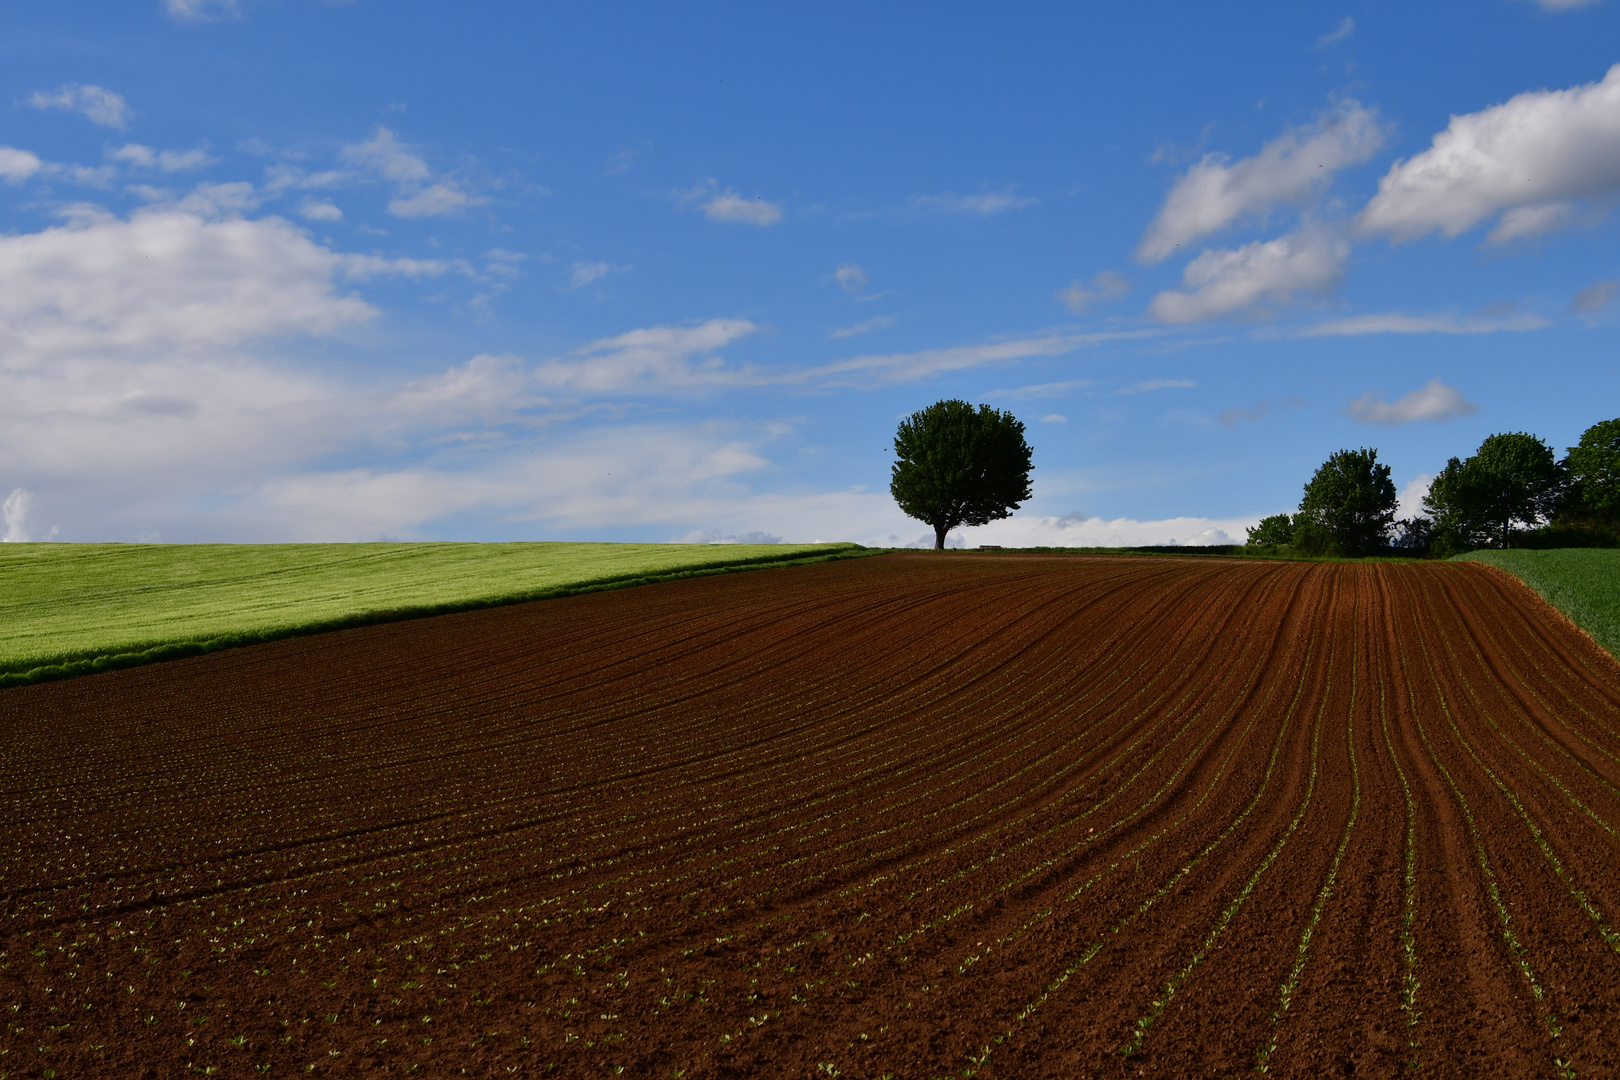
[[959, 466], [1349, 506]]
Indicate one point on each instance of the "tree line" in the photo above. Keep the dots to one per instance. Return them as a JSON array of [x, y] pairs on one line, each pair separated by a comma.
[[1512, 492]]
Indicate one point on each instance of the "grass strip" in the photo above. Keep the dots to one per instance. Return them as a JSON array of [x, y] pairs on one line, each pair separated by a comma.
[[1583, 583], [73, 665]]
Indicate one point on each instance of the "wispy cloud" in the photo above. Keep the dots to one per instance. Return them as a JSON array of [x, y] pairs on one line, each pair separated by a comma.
[[850, 278], [166, 160], [1595, 297], [728, 207], [1346, 27], [1157, 384], [1233, 417], [1394, 322], [203, 10], [1106, 286], [97, 103], [1291, 170], [879, 322], [585, 273], [417, 192], [979, 204], [1436, 401], [1042, 390]]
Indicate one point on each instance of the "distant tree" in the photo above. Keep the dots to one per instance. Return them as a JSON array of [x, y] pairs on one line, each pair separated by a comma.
[[1593, 469], [960, 466], [1413, 535], [1512, 481], [1276, 531], [1348, 506]]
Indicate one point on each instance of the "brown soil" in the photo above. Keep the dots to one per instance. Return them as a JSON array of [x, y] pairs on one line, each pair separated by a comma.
[[914, 816]]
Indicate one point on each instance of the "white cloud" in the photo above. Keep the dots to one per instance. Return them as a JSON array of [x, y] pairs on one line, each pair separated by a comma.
[[1106, 286], [431, 201], [1230, 418], [1436, 401], [728, 206], [1526, 222], [1042, 390], [14, 513], [99, 104], [1290, 170], [1565, 5], [1537, 151], [1157, 384], [1077, 530], [1347, 26], [219, 200], [658, 358], [714, 536], [1054, 418], [319, 210], [1395, 322], [851, 278], [1595, 297], [162, 280], [167, 160], [879, 322], [417, 193], [1220, 283], [199, 10], [1411, 497], [17, 165], [982, 204], [585, 273], [884, 369]]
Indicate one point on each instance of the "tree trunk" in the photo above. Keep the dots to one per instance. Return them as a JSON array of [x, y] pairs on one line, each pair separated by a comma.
[[939, 536]]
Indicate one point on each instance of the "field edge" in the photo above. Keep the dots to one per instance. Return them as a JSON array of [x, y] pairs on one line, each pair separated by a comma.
[[74, 665]]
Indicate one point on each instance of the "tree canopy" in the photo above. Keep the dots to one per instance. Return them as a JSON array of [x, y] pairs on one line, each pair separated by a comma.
[[1594, 476], [1513, 480], [1348, 506], [959, 466]]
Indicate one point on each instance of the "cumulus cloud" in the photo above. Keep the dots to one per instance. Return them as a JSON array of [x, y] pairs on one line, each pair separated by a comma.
[[1106, 286], [1395, 322], [14, 514], [729, 207], [1223, 282], [981, 204], [1535, 153], [715, 536], [1410, 503], [17, 165], [167, 160], [319, 210], [1595, 297], [1436, 401], [418, 194], [879, 322], [850, 278], [1290, 170], [1347, 26], [164, 279], [99, 104]]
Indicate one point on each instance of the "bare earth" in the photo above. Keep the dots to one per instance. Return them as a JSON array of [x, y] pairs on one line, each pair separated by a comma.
[[914, 816]]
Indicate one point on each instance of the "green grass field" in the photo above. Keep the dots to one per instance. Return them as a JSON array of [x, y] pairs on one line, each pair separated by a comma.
[[1583, 583], [68, 609]]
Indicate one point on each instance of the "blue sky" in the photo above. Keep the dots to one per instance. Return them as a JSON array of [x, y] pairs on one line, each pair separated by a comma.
[[299, 270]]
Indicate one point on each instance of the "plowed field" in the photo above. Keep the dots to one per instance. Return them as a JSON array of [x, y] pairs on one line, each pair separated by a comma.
[[912, 816]]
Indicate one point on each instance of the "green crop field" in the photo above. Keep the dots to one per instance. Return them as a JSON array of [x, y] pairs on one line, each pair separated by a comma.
[[1583, 583], [72, 608]]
